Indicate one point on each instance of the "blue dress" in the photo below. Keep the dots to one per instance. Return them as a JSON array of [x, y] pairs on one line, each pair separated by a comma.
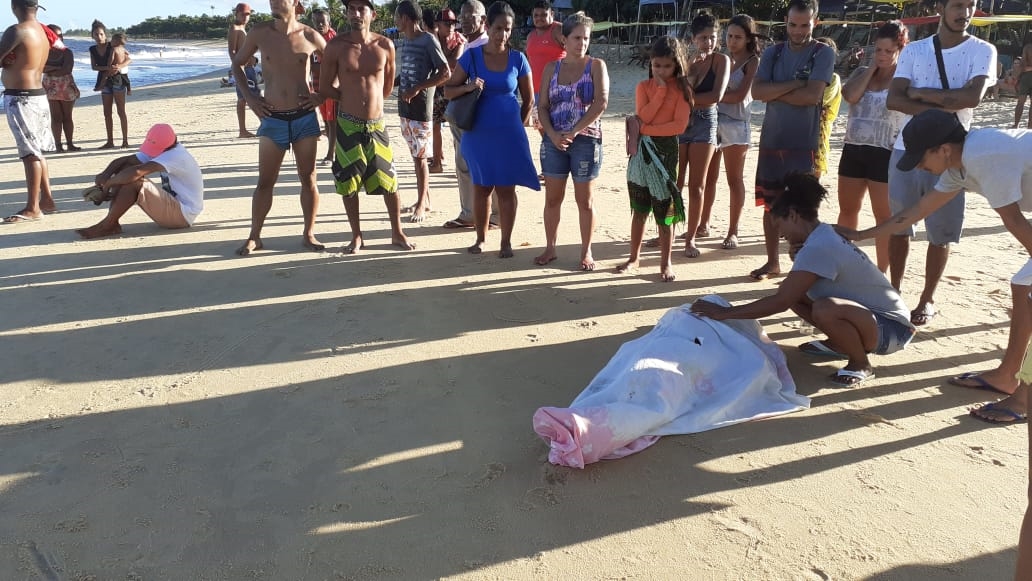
[[497, 150]]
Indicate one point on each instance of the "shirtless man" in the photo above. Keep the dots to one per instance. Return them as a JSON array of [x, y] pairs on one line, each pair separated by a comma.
[[286, 113], [237, 32], [362, 61], [1023, 82], [24, 49]]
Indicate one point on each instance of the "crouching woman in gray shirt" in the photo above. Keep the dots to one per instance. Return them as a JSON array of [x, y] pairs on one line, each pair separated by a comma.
[[833, 285]]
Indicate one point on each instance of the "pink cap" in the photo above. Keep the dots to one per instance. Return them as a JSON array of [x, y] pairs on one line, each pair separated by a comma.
[[159, 138]]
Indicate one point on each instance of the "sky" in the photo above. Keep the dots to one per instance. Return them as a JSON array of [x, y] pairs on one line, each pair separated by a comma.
[[79, 14]]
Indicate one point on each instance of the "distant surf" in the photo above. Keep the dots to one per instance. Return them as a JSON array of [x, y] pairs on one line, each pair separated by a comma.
[[152, 62]]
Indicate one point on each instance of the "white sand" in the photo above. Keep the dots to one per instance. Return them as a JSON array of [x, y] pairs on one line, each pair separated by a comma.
[[170, 411]]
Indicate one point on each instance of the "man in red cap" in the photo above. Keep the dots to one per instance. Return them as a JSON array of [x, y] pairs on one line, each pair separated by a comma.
[[288, 118], [237, 32], [24, 49], [175, 203], [453, 43]]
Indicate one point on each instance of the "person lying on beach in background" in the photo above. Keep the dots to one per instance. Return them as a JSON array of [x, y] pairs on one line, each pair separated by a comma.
[[24, 49], [996, 163], [174, 203], [287, 116], [118, 72], [235, 40], [363, 61], [833, 285]]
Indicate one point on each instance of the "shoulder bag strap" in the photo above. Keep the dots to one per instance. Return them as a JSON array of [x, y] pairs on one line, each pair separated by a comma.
[[942, 66]]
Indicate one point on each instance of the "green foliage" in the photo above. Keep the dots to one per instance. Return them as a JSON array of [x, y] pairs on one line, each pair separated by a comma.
[[188, 27]]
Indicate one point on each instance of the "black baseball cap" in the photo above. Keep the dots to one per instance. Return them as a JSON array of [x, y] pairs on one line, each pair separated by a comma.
[[926, 130], [29, 4]]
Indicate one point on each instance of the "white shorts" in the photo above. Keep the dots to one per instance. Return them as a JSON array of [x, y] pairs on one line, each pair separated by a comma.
[[1024, 276], [28, 116]]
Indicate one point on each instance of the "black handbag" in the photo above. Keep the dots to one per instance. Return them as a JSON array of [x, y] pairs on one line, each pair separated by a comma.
[[462, 110]]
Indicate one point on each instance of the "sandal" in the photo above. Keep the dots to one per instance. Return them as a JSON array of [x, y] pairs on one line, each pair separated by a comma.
[[849, 378]]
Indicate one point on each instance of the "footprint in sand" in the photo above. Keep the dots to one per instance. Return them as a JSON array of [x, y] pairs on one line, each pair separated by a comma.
[[494, 470]]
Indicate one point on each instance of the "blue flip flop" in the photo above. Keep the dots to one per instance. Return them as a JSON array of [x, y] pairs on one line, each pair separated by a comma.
[[991, 406], [980, 382]]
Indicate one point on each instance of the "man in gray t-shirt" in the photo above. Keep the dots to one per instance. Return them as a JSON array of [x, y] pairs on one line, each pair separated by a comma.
[[422, 67], [791, 80]]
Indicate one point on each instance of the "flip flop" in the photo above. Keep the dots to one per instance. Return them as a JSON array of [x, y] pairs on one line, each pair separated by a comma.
[[923, 318], [762, 274], [819, 349], [991, 406], [980, 382], [19, 218], [849, 378], [456, 223]]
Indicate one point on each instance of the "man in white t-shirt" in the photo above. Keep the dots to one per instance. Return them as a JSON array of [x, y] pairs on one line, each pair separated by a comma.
[[174, 203], [969, 65], [996, 163]]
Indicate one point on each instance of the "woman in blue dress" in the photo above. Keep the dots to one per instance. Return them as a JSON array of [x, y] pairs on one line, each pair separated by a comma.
[[496, 150]]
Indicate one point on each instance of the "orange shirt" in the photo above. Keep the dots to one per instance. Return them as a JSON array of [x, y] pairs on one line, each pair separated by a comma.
[[662, 110]]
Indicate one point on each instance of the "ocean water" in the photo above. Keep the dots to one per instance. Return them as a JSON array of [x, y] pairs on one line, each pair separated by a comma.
[[152, 63]]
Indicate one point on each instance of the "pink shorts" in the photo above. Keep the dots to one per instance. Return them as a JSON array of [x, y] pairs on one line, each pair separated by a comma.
[[419, 135], [161, 206]]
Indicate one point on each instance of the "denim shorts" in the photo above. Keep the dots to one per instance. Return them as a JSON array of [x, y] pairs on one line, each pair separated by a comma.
[[702, 128], [731, 131], [892, 335], [582, 159], [285, 128], [906, 188]]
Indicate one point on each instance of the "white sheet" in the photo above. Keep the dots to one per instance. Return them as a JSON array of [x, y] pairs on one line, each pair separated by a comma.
[[688, 374]]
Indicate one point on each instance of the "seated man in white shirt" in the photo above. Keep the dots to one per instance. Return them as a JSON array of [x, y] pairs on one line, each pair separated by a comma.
[[174, 203]]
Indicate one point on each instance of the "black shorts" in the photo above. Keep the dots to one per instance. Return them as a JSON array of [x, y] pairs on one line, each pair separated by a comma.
[[865, 162]]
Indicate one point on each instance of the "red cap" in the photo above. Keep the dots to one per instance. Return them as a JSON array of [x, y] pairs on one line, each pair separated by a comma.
[[243, 7], [159, 138]]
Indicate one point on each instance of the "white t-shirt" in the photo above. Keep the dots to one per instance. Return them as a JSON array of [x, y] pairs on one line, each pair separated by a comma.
[[182, 177], [478, 41], [972, 58], [997, 164]]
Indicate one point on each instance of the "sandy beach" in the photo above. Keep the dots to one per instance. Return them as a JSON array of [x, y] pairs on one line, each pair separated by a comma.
[[172, 411]]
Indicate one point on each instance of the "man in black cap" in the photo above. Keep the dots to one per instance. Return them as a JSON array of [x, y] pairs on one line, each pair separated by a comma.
[[996, 163], [24, 49]]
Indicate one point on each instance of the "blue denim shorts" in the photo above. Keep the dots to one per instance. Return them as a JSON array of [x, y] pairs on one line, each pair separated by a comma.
[[582, 160], [731, 131], [892, 335], [287, 127], [702, 128], [906, 188]]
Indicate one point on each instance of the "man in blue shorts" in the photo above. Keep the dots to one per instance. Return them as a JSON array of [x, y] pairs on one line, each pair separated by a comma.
[[288, 119]]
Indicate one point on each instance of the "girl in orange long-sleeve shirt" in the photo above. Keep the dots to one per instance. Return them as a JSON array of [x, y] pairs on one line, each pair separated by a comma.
[[663, 106]]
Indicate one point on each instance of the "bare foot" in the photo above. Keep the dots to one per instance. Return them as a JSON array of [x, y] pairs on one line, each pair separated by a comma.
[[731, 242], [418, 214], [312, 244], [505, 252], [702, 231], [587, 263], [545, 257], [245, 135], [403, 243], [630, 265], [666, 274], [691, 251], [354, 246], [414, 208], [108, 145], [476, 248], [99, 231], [249, 246], [125, 145], [48, 209]]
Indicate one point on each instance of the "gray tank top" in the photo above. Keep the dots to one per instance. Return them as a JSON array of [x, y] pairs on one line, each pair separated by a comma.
[[741, 110]]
